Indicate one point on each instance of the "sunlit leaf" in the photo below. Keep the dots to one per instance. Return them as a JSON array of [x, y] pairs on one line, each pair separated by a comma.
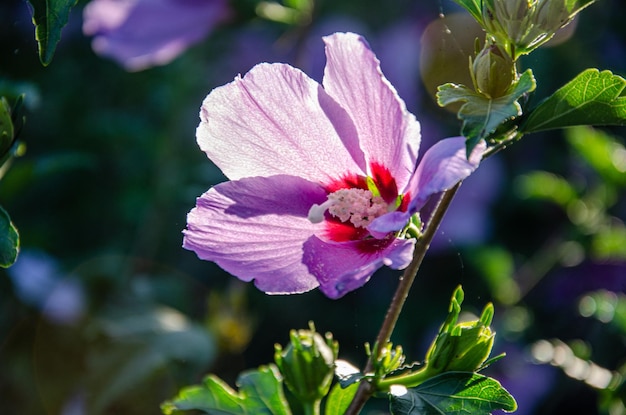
[[346, 373], [49, 17], [591, 98], [604, 153], [546, 186], [9, 240], [339, 399], [482, 115], [453, 393], [496, 266], [137, 343], [610, 243], [474, 7], [260, 393]]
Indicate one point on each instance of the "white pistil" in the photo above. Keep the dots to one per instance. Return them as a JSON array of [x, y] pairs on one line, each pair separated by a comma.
[[358, 206], [316, 213]]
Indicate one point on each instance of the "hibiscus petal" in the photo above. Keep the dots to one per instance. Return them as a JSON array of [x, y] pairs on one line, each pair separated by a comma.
[[255, 228], [344, 267], [388, 133], [142, 33], [443, 165], [277, 120]]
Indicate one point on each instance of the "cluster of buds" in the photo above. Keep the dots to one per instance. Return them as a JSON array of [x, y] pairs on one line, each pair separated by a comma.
[[461, 346], [307, 364], [523, 25]]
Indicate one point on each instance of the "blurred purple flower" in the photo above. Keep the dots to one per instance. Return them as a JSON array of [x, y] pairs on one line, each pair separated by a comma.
[[323, 177], [39, 283], [139, 34], [566, 285], [528, 382]]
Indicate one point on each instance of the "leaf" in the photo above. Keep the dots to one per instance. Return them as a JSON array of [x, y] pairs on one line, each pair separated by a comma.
[[482, 115], [346, 373], [340, 398], [474, 7], [49, 17], [260, 393], [605, 154], [591, 98], [7, 131], [135, 344], [453, 393], [9, 240]]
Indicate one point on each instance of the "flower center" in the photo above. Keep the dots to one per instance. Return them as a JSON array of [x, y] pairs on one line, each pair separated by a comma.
[[357, 206]]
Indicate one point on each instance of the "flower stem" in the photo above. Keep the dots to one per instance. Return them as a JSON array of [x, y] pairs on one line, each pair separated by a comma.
[[312, 408], [366, 389]]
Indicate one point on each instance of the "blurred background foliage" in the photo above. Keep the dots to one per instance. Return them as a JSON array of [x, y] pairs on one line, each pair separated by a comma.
[[105, 313]]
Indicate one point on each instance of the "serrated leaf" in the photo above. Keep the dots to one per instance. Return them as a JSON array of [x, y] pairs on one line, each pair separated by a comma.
[[482, 115], [591, 98], [340, 398], [453, 393], [49, 18], [9, 240], [260, 393]]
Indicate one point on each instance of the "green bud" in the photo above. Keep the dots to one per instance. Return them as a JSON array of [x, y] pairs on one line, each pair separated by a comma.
[[493, 71], [551, 15], [307, 363], [461, 346], [513, 16], [521, 26]]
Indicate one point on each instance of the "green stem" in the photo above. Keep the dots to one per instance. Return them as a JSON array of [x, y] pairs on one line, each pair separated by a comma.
[[312, 408], [410, 380], [367, 389]]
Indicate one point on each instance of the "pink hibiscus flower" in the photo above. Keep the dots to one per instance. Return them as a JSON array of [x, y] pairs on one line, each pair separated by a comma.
[[139, 34], [323, 177]]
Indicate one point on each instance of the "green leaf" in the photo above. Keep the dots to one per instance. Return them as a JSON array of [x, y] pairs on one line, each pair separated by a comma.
[[346, 373], [339, 399], [482, 115], [49, 17], [543, 185], [260, 393], [474, 7], [453, 393], [6, 127], [604, 153], [591, 98], [9, 240], [134, 344]]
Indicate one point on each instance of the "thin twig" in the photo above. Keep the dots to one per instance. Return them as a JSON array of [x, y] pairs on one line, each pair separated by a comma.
[[366, 389]]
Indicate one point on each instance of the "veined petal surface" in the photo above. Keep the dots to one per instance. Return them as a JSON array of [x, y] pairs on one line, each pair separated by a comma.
[[346, 266], [255, 228], [139, 34], [388, 133], [277, 120]]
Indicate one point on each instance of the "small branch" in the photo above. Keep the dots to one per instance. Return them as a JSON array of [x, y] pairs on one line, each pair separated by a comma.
[[366, 389]]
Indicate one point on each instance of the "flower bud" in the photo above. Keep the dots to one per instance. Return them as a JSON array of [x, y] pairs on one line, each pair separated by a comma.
[[513, 16], [307, 363], [461, 346], [493, 71], [551, 15]]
